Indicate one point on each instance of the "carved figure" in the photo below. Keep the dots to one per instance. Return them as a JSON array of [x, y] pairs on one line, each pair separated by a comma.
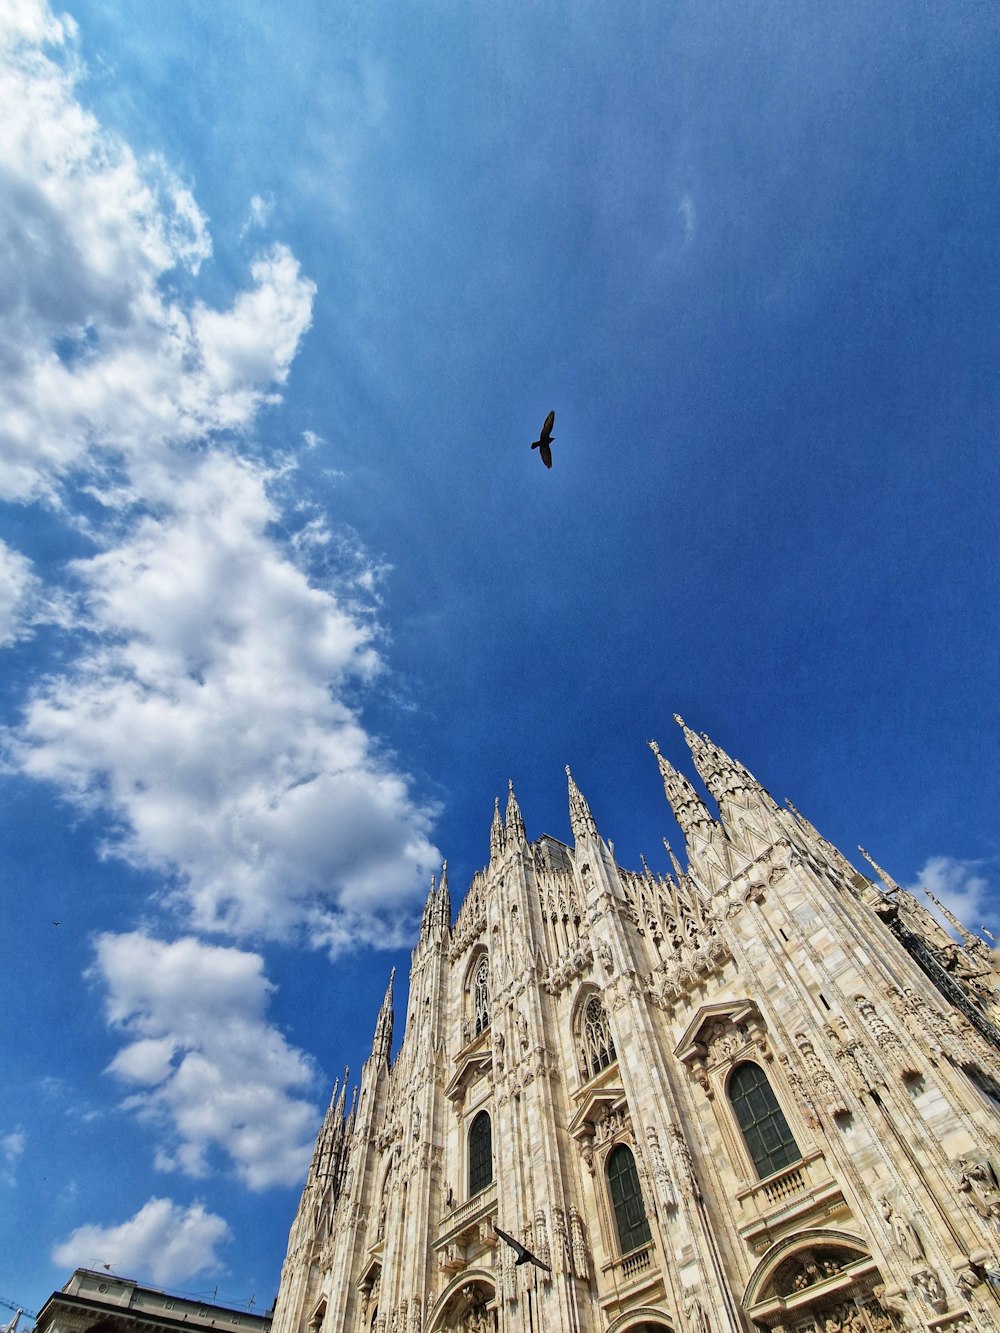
[[928, 1284], [696, 1319], [904, 1233]]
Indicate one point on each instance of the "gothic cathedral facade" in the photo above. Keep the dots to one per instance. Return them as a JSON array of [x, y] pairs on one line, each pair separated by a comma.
[[759, 1094]]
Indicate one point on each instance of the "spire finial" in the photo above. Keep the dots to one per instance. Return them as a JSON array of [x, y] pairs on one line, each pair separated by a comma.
[[514, 824], [581, 821], [496, 832], [886, 878]]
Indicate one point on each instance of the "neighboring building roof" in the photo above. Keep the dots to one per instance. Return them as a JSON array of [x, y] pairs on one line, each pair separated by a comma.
[[93, 1300]]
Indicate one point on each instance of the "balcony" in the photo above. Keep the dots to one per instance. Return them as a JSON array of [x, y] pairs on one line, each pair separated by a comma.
[[630, 1274], [787, 1197], [467, 1215]]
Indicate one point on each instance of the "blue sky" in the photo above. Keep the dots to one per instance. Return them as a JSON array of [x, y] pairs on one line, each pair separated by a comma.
[[285, 598]]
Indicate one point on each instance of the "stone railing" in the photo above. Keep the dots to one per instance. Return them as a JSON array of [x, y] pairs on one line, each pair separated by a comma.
[[800, 1187], [632, 1264], [465, 1212]]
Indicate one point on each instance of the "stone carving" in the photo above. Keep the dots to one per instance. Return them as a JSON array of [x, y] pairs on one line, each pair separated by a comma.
[[578, 1243], [697, 1320], [664, 1185], [560, 1240], [927, 1283], [978, 1182], [903, 1232], [499, 1044], [683, 1163], [820, 1077], [604, 954], [521, 1023], [541, 1246]]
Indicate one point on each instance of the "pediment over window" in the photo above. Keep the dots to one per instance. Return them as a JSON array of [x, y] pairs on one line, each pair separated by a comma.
[[473, 1062], [721, 1032], [599, 1102]]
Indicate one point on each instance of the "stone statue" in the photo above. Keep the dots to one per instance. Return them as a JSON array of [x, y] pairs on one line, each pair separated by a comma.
[[904, 1233]]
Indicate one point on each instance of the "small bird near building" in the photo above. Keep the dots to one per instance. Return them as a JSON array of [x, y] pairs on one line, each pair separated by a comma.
[[524, 1255], [545, 439]]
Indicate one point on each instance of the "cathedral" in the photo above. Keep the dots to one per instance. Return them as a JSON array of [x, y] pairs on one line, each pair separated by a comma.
[[761, 1093]]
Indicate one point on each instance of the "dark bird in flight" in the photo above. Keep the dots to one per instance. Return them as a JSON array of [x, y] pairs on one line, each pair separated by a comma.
[[545, 439], [524, 1255]]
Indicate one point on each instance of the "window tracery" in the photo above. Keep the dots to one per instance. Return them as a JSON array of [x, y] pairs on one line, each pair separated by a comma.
[[598, 1043], [481, 994]]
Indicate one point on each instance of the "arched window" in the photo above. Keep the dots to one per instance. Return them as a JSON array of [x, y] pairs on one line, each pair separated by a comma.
[[481, 994], [598, 1044], [764, 1127], [630, 1215], [480, 1154]]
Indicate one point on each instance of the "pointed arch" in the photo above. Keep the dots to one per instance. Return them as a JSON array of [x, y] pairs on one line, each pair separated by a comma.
[[593, 1039]]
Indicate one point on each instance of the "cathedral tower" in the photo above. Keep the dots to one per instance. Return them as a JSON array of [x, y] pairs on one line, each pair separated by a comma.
[[761, 1092]]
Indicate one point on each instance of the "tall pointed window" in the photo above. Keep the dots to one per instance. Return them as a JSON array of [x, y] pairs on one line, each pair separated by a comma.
[[761, 1120], [481, 994], [480, 1153], [626, 1198], [598, 1044]]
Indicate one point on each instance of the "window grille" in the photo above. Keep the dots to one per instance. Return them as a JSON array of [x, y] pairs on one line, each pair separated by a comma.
[[626, 1197], [481, 994], [762, 1123], [480, 1153]]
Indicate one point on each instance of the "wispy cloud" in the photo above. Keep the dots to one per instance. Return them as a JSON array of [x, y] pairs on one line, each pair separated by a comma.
[[964, 887], [207, 1070], [689, 217], [258, 215], [163, 1242], [12, 1147]]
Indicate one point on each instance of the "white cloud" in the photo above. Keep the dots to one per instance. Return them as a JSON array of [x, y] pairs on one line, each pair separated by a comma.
[[162, 1242], [102, 364], [205, 1066], [258, 214], [208, 718], [19, 590], [963, 887], [209, 708], [12, 1147]]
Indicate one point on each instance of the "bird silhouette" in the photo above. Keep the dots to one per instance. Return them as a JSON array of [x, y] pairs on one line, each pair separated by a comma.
[[545, 439], [524, 1255]]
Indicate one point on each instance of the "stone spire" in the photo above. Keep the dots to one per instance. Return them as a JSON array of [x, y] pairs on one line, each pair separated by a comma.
[[883, 875], [430, 912], [443, 908], [496, 832], [689, 809], [678, 870], [724, 776], [972, 942], [513, 821], [382, 1044], [581, 821]]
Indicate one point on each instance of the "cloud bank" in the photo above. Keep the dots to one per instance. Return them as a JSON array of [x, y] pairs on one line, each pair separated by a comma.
[[208, 1070], [204, 702], [163, 1242], [205, 708]]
